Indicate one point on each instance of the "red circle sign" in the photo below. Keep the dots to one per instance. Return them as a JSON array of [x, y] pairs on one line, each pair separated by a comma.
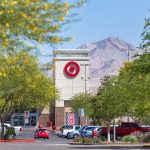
[[71, 69]]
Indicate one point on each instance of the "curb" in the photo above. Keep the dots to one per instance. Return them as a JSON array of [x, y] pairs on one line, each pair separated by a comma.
[[25, 141], [109, 146], [146, 146]]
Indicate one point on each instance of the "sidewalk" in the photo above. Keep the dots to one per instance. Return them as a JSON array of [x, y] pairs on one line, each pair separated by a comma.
[[110, 146]]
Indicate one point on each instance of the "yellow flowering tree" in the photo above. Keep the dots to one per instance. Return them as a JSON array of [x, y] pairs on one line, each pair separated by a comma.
[[39, 20], [22, 85]]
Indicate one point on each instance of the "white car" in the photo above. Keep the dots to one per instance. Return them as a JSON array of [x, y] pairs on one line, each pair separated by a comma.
[[74, 134], [67, 129], [18, 129]]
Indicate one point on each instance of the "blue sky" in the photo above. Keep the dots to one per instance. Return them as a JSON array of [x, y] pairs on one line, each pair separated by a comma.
[[104, 18]]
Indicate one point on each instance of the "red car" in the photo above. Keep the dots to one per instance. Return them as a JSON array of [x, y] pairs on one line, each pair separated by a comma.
[[125, 128], [41, 133]]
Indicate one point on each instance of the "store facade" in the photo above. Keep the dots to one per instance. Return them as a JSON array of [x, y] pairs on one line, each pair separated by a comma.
[[71, 76]]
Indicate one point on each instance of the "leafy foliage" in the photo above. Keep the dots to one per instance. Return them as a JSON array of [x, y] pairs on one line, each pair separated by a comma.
[[146, 34], [23, 85], [10, 133], [130, 138], [35, 20], [136, 77], [124, 95]]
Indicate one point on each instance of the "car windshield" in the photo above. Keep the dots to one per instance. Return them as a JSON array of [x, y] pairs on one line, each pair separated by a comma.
[[90, 128], [68, 127], [83, 127], [42, 130]]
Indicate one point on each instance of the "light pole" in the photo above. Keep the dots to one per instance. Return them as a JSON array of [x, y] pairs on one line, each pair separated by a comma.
[[128, 54], [85, 78]]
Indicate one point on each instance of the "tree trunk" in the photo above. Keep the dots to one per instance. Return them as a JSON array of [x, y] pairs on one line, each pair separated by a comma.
[[94, 122], [108, 133], [114, 132], [2, 128]]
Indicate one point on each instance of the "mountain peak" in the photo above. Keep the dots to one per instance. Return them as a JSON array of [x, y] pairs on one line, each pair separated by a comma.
[[106, 58], [114, 43]]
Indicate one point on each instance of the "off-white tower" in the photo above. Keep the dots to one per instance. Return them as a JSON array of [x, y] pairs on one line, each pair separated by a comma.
[[71, 76]]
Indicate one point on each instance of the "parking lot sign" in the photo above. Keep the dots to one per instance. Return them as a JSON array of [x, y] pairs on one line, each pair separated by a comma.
[[81, 112]]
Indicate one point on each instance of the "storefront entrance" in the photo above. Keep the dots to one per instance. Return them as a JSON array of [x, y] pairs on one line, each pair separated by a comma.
[[18, 119]]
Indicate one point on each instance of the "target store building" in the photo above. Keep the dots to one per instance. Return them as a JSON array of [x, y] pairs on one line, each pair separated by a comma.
[[71, 76]]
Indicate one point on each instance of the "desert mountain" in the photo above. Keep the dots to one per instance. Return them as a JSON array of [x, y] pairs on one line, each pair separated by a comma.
[[106, 58]]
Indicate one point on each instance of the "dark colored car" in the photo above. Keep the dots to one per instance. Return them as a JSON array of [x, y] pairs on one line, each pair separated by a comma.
[[125, 128], [41, 133]]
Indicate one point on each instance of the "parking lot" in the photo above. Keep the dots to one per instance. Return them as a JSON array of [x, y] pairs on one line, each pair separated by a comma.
[[53, 143], [54, 138]]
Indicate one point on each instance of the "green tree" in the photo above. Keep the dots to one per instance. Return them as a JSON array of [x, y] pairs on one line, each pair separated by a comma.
[[86, 101], [23, 85], [146, 34], [35, 20], [136, 77], [101, 106], [128, 93], [107, 100]]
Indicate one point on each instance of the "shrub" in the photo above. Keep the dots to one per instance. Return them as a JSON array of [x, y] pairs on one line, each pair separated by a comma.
[[10, 133], [87, 140], [97, 140], [78, 139], [103, 138], [146, 137], [130, 138], [139, 135]]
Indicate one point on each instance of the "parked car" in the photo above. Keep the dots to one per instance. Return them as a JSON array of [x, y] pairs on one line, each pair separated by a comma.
[[87, 131], [65, 130], [76, 133], [125, 128], [41, 133], [96, 132], [17, 129], [60, 134]]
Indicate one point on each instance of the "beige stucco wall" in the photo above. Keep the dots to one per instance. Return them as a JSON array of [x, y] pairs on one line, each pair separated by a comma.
[[69, 87], [45, 110]]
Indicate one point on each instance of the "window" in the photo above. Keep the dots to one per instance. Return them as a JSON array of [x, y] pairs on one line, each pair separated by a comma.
[[77, 128]]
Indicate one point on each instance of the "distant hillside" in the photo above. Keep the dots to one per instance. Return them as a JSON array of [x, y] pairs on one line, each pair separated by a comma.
[[106, 58]]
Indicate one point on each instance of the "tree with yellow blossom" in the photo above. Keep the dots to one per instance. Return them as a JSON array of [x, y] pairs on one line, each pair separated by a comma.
[[38, 20], [23, 86]]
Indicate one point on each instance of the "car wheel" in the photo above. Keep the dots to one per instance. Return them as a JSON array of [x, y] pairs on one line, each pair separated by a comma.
[[75, 136], [68, 135], [47, 137]]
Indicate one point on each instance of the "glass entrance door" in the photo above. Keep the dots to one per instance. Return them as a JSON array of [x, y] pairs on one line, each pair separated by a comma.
[[18, 120]]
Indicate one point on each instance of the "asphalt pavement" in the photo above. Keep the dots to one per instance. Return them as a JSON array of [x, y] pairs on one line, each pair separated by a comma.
[[53, 138], [50, 146], [56, 143]]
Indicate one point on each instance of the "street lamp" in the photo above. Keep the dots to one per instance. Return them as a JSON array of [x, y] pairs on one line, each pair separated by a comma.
[[85, 78]]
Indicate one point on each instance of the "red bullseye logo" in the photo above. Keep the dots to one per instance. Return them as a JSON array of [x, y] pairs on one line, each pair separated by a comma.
[[71, 69]]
